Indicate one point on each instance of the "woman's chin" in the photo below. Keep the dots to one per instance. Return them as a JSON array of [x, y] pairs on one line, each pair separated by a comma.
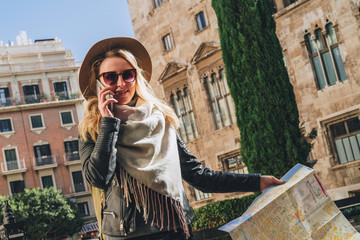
[[122, 100]]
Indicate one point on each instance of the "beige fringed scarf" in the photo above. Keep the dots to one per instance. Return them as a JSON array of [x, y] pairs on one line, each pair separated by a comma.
[[148, 155]]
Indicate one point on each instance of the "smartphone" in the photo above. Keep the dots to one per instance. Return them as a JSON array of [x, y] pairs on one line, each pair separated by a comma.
[[99, 84]]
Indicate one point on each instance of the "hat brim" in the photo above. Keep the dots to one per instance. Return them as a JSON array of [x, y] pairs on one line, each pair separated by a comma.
[[87, 86]]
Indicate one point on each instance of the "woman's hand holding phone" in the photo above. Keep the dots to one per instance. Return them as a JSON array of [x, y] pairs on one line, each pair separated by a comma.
[[105, 100]]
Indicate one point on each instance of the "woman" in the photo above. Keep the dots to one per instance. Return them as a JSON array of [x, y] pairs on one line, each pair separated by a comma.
[[133, 159]]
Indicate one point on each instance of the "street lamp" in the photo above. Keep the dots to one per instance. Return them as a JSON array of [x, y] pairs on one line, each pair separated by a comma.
[[11, 229]]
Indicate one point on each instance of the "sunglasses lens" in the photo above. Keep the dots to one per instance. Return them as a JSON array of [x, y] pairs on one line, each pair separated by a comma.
[[110, 78], [129, 75]]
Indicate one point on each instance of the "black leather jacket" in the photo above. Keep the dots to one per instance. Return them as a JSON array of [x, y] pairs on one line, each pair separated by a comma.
[[99, 164]]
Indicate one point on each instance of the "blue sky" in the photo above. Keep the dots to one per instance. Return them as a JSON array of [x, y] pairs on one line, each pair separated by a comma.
[[78, 23]]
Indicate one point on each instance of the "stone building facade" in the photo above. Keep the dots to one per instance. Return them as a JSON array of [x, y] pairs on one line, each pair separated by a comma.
[[40, 108], [320, 41], [188, 73]]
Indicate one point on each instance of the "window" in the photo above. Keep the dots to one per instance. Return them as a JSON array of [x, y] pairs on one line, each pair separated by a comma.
[[31, 93], [4, 97], [61, 90], [183, 108], [220, 99], [199, 195], [83, 209], [200, 21], [43, 155], [157, 3], [47, 181], [324, 52], [36, 121], [66, 118], [17, 186], [5, 125], [346, 137], [78, 181], [72, 150], [11, 159], [231, 163], [288, 2], [167, 41]]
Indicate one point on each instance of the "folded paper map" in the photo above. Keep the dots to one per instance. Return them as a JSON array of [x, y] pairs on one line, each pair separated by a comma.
[[298, 209]]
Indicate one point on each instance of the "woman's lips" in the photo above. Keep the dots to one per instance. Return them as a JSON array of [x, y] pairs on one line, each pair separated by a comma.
[[121, 93]]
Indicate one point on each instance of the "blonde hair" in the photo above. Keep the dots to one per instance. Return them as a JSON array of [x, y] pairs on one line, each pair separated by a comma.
[[89, 126]]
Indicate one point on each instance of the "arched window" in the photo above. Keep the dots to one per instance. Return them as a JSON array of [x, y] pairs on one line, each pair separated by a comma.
[[219, 97], [325, 57], [335, 51], [183, 108]]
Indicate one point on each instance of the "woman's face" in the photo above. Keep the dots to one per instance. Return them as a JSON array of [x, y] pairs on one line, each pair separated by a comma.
[[124, 91]]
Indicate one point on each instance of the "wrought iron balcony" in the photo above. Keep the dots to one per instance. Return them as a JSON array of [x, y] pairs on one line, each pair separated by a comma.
[[32, 98], [13, 167], [62, 95], [44, 162], [6, 102], [79, 187], [72, 158]]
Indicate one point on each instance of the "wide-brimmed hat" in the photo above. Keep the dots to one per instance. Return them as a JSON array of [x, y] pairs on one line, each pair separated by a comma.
[[87, 84]]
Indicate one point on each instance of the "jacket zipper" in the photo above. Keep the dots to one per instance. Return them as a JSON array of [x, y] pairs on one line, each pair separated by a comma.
[[122, 229]]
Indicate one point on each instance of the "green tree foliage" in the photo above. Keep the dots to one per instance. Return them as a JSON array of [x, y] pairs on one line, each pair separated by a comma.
[[2, 203], [45, 212], [266, 111], [219, 213]]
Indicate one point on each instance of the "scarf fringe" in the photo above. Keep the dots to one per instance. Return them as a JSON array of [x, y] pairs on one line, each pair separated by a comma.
[[146, 198]]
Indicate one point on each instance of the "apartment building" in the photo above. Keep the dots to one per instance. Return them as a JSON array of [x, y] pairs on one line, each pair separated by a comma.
[[320, 41], [40, 108]]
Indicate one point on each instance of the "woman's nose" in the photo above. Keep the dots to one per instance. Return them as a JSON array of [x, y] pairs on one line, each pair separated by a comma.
[[121, 82]]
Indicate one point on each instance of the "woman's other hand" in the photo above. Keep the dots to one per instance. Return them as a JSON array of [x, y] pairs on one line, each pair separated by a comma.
[[104, 102], [269, 181]]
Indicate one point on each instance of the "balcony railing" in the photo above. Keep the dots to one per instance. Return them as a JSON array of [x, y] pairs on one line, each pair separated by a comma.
[[6, 69], [79, 187], [6, 102], [62, 95], [29, 99], [13, 166], [71, 156], [32, 98], [44, 160]]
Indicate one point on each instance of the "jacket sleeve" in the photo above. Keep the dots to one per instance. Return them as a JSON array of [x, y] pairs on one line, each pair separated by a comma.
[[207, 180], [99, 158]]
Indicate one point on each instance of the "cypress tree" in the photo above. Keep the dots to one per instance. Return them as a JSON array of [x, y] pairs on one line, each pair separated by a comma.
[[266, 111]]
